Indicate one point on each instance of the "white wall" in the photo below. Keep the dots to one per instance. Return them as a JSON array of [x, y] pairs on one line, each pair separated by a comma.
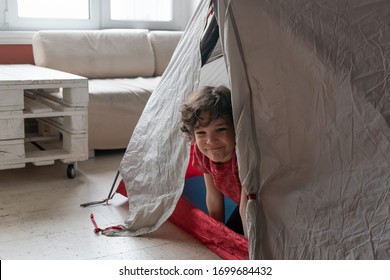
[[3, 6]]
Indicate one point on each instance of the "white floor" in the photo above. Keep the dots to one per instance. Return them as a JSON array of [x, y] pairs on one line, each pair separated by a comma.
[[41, 217]]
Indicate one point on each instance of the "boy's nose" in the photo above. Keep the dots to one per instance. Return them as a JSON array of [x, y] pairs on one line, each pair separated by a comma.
[[211, 139]]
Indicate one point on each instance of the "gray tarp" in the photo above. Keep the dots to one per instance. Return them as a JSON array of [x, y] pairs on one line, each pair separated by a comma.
[[310, 91], [156, 158]]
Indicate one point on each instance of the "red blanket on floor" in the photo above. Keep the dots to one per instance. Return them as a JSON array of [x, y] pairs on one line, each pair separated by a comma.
[[216, 236]]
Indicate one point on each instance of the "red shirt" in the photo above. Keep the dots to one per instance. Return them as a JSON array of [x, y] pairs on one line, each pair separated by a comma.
[[225, 175]]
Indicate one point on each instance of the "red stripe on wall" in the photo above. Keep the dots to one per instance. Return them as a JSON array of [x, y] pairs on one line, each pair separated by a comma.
[[16, 54]]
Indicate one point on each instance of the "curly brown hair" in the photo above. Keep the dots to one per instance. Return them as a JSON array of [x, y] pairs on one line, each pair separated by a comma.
[[213, 100]]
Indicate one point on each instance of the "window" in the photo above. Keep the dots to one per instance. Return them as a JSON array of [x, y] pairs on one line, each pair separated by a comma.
[[52, 14], [150, 14], [60, 9], [151, 10], [98, 14]]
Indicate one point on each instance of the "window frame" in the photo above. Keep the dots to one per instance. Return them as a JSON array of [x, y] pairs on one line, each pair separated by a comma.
[[99, 19]]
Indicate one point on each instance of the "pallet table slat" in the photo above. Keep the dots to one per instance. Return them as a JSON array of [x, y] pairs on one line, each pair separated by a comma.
[[56, 104]]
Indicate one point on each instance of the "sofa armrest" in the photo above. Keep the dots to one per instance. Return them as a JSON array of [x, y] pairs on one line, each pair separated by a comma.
[[164, 44]]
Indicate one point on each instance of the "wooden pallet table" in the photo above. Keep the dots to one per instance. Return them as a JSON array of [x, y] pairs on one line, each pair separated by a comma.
[[43, 117]]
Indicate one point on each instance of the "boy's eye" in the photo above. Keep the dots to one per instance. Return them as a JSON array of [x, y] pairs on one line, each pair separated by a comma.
[[221, 129], [200, 132]]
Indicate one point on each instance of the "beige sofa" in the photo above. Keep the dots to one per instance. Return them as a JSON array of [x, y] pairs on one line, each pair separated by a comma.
[[123, 66]]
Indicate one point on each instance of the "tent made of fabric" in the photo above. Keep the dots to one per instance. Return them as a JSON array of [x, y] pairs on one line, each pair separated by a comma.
[[310, 94]]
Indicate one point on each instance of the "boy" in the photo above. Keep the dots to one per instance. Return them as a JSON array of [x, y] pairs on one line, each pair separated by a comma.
[[207, 120]]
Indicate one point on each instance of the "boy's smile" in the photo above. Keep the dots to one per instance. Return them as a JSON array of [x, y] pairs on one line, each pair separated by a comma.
[[216, 140]]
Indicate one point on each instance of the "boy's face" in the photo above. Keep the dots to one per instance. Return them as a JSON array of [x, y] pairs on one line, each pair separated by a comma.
[[216, 140]]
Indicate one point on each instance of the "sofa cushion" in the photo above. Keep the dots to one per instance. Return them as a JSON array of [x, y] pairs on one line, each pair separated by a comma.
[[164, 44], [115, 53], [115, 106]]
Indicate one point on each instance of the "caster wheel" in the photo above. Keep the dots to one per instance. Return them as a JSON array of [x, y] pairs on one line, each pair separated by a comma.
[[71, 171]]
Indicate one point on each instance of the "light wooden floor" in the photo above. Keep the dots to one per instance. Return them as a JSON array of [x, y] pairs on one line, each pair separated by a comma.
[[41, 217]]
